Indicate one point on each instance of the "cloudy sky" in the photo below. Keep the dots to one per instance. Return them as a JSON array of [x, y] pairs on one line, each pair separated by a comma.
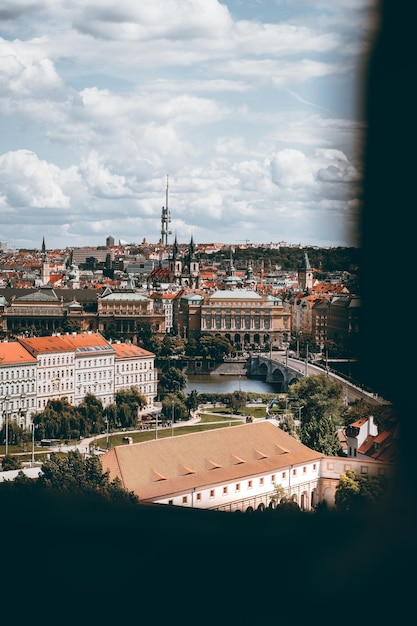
[[249, 108]]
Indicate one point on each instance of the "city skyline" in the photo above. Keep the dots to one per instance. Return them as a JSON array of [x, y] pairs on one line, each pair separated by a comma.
[[251, 110]]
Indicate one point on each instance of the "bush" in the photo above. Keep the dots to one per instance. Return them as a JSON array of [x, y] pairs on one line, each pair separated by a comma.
[[10, 462]]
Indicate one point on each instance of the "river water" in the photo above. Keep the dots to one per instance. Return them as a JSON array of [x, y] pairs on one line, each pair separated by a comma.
[[214, 383]]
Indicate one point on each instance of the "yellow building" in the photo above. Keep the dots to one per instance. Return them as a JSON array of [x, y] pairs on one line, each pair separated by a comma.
[[246, 318]]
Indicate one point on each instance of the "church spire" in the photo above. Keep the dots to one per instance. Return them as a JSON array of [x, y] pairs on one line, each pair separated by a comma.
[[191, 248], [175, 248]]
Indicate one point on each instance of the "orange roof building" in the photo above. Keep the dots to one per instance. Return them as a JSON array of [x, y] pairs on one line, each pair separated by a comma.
[[18, 370]]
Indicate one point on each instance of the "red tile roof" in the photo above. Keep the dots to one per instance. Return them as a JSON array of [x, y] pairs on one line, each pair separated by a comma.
[[158, 469], [62, 343], [12, 352], [128, 350]]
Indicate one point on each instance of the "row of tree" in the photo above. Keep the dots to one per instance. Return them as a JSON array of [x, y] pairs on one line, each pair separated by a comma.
[[62, 420], [74, 475]]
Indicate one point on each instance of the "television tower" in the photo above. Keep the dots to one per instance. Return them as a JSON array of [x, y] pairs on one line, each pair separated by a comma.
[[165, 220]]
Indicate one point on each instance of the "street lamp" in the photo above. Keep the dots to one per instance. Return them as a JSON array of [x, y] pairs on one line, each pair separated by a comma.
[[33, 444], [306, 367], [172, 419], [286, 402], [22, 406], [107, 433], [7, 398]]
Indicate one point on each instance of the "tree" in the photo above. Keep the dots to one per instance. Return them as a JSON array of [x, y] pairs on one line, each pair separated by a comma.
[[58, 420], [213, 347], [192, 401], [91, 415], [128, 401], [75, 475], [357, 410], [171, 346], [281, 501], [319, 395], [278, 494], [10, 462], [174, 407], [171, 379], [354, 493], [319, 433], [147, 337], [238, 400], [14, 433], [288, 425], [322, 401]]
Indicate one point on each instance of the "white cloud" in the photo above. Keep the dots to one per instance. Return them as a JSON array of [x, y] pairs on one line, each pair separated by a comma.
[[30, 182], [291, 168], [100, 101]]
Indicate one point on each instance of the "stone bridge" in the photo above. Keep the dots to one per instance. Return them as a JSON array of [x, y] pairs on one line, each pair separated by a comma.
[[275, 372]]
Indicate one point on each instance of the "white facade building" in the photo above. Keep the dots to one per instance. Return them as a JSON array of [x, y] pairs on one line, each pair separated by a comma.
[[135, 367], [18, 371], [55, 368], [230, 469], [69, 366]]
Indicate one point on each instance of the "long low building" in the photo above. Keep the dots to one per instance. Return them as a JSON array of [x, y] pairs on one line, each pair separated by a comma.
[[232, 468]]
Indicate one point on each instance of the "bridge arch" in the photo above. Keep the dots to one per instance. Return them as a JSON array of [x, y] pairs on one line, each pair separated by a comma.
[[272, 371], [277, 377]]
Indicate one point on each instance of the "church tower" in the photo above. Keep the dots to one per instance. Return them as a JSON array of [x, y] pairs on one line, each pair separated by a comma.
[[46, 267], [175, 264], [305, 275], [193, 264]]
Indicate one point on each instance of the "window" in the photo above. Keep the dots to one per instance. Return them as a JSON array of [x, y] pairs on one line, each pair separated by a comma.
[[304, 470], [364, 469], [329, 466], [225, 491], [294, 472], [237, 486], [250, 484], [261, 481], [184, 499], [211, 493], [199, 496], [314, 466], [284, 475], [273, 478]]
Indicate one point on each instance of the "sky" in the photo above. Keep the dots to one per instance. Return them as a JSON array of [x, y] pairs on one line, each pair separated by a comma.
[[249, 110]]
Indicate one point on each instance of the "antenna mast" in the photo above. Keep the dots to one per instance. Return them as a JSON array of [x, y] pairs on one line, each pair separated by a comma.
[[165, 220]]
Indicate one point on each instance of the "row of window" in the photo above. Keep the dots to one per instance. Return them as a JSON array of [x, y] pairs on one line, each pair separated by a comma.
[[18, 405], [363, 468], [94, 375], [130, 379], [250, 484], [16, 390], [134, 366], [103, 362], [219, 324], [49, 374], [59, 360], [16, 373]]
